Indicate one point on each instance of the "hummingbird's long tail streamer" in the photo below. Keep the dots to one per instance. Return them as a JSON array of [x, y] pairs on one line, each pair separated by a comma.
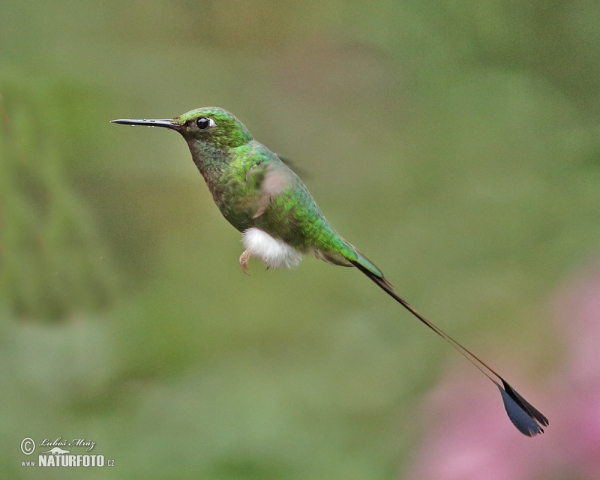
[[521, 413]]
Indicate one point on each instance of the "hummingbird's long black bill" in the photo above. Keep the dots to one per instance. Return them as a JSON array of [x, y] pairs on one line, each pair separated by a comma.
[[165, 123], [528, 420]]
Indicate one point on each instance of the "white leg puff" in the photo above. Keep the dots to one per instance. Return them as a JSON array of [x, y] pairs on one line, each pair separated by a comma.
[[273, 252]]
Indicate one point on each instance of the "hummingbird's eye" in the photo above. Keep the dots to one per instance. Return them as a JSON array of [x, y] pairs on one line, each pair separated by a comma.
[[205, 123]]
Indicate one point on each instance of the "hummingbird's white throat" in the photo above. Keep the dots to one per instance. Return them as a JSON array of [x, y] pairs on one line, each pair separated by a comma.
[[273, 252]]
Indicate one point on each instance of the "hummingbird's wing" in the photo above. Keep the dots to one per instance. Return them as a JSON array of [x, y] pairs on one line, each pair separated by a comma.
[[273, 179], [298, 170]]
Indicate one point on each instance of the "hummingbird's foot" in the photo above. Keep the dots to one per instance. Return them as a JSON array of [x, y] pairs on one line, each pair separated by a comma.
[[244, 257]]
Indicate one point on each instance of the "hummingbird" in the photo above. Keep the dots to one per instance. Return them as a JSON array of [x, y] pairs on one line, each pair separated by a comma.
[[261, 196]]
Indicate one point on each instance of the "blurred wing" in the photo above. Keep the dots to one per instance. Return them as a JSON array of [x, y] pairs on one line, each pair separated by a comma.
[[272, 179], [298, 170]]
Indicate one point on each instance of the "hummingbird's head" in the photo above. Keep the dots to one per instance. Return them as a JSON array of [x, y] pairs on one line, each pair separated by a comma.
[[211, 126], [214, 126]]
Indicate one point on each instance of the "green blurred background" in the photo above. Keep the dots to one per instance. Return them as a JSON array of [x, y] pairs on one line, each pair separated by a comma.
[[455, 143]]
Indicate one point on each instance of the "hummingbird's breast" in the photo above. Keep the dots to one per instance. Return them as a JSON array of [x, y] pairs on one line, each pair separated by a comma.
[[222, 176]]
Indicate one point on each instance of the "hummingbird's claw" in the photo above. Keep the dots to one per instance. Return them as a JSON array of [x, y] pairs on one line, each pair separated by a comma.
[[244, 257]]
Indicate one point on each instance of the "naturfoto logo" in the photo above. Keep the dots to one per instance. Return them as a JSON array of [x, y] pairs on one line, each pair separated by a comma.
[[58, 456]]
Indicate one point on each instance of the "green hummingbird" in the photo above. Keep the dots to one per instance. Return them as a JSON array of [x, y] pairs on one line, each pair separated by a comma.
[[262, 197]]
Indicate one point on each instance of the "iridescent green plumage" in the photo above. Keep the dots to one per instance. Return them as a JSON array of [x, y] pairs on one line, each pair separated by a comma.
[[279, 220]]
